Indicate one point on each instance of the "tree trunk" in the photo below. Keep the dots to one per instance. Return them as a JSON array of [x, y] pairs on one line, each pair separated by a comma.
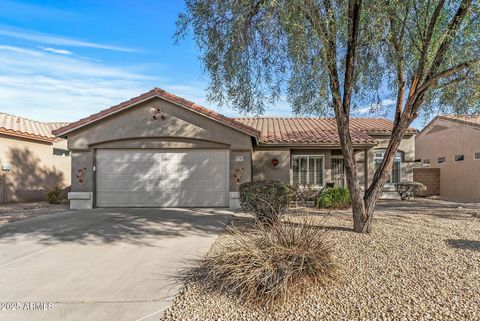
[[361, 221]]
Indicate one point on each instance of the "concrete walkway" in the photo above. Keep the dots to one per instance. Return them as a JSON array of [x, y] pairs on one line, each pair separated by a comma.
[[102, 264]]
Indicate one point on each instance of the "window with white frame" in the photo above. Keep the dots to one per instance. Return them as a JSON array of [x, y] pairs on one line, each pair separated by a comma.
[[477, 156], [307, 170], [395, 176]]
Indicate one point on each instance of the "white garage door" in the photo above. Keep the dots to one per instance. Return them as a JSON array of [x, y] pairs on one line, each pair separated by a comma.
[[162, 178]]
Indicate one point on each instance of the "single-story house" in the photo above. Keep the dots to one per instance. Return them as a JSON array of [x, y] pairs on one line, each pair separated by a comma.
[[158, 149], [452, 144], [38, 161]]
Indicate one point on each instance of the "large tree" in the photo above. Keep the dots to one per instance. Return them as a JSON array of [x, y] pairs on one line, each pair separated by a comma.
[[327, 56]]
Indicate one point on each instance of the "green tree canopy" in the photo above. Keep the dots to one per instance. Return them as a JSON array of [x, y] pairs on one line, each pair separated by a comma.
[[256, 51], [326, 54]]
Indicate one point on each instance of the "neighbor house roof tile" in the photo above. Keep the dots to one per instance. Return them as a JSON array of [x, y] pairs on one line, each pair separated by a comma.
[[280, 130], [23, 127], [472, 120]]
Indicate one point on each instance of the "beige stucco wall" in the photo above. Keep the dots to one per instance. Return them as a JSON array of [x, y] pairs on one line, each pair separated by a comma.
[[459, 181], [262, 163], [406, 148], [34, 168], [263, 155], [136, 128]]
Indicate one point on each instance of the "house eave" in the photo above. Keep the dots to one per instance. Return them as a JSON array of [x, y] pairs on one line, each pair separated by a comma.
[[63, 134], [319, 145]]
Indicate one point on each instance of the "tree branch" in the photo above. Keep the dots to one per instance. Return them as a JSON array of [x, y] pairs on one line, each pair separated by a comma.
[[353, 30], [450, 71], [428, 37], [254, 9], [448, 36], [399, 64], [317, 20]]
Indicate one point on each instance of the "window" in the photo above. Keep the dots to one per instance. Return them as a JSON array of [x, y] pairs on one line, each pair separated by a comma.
[[441, 160], [307, 170], [61, 152], [459, 158], [395, 177], [477, 156], [426, 163]]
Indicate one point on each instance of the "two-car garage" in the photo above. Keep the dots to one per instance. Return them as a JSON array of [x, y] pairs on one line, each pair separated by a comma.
[[161, 178], [158, 150]]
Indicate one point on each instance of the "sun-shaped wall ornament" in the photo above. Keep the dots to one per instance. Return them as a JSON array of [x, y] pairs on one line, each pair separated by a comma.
[[158, 114]]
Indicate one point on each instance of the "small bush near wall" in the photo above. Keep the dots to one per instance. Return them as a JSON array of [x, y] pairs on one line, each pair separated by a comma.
[[407, 190], [334, 198], [267, 266], [55, 196], [266, 200]]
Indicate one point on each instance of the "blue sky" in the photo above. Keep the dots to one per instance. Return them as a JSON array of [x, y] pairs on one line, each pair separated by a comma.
[[63, 60]]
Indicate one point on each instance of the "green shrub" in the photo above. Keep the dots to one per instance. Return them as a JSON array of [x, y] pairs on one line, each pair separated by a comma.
[[266, 200], [55, 196], [334, 198], [267, 266]]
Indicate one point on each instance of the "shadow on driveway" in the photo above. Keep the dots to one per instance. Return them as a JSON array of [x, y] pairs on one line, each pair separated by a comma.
[[132, 225]]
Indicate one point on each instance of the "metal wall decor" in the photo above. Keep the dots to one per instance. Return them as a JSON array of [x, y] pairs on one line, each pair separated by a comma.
[[275, 162], [238, 175], [82, 176], [159, 114]]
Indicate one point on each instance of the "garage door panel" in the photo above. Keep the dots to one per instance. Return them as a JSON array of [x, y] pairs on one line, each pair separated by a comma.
[[219, 156], [126, 156], [152, 178], [111, 168], [121, 185], [218, 185]]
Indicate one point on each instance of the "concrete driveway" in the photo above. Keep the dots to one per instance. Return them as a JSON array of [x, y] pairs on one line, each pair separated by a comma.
[[102, 264]]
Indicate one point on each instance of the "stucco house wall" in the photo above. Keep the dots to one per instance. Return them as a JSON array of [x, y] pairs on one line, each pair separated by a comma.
[[459, 180], [179, 128], [34, 170], [407, 151], [158, 121]]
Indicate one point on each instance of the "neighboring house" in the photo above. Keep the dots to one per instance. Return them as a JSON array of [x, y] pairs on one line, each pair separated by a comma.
[[38, 161], [452, 143], [158, 149]]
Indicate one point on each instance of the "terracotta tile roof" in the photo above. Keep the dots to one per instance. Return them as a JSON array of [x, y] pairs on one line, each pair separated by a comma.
[[472, 120], [23, 127], [157, 92], [278, 130], [268, 130]]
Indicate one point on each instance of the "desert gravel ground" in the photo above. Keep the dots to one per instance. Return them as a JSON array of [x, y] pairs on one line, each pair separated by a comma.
[[422, 262], [22, 211]]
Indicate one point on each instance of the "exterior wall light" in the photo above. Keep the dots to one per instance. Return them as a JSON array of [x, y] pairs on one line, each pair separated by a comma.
[[5, 170]]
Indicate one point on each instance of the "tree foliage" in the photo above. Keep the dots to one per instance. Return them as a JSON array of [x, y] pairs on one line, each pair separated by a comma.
[[327, 55], [256, 51]]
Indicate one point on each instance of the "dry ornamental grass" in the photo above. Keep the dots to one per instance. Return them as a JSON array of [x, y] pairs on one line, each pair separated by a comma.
[[267, 265]]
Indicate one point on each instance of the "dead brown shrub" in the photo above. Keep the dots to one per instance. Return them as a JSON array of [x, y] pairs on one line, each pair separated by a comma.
[[268, 265]]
